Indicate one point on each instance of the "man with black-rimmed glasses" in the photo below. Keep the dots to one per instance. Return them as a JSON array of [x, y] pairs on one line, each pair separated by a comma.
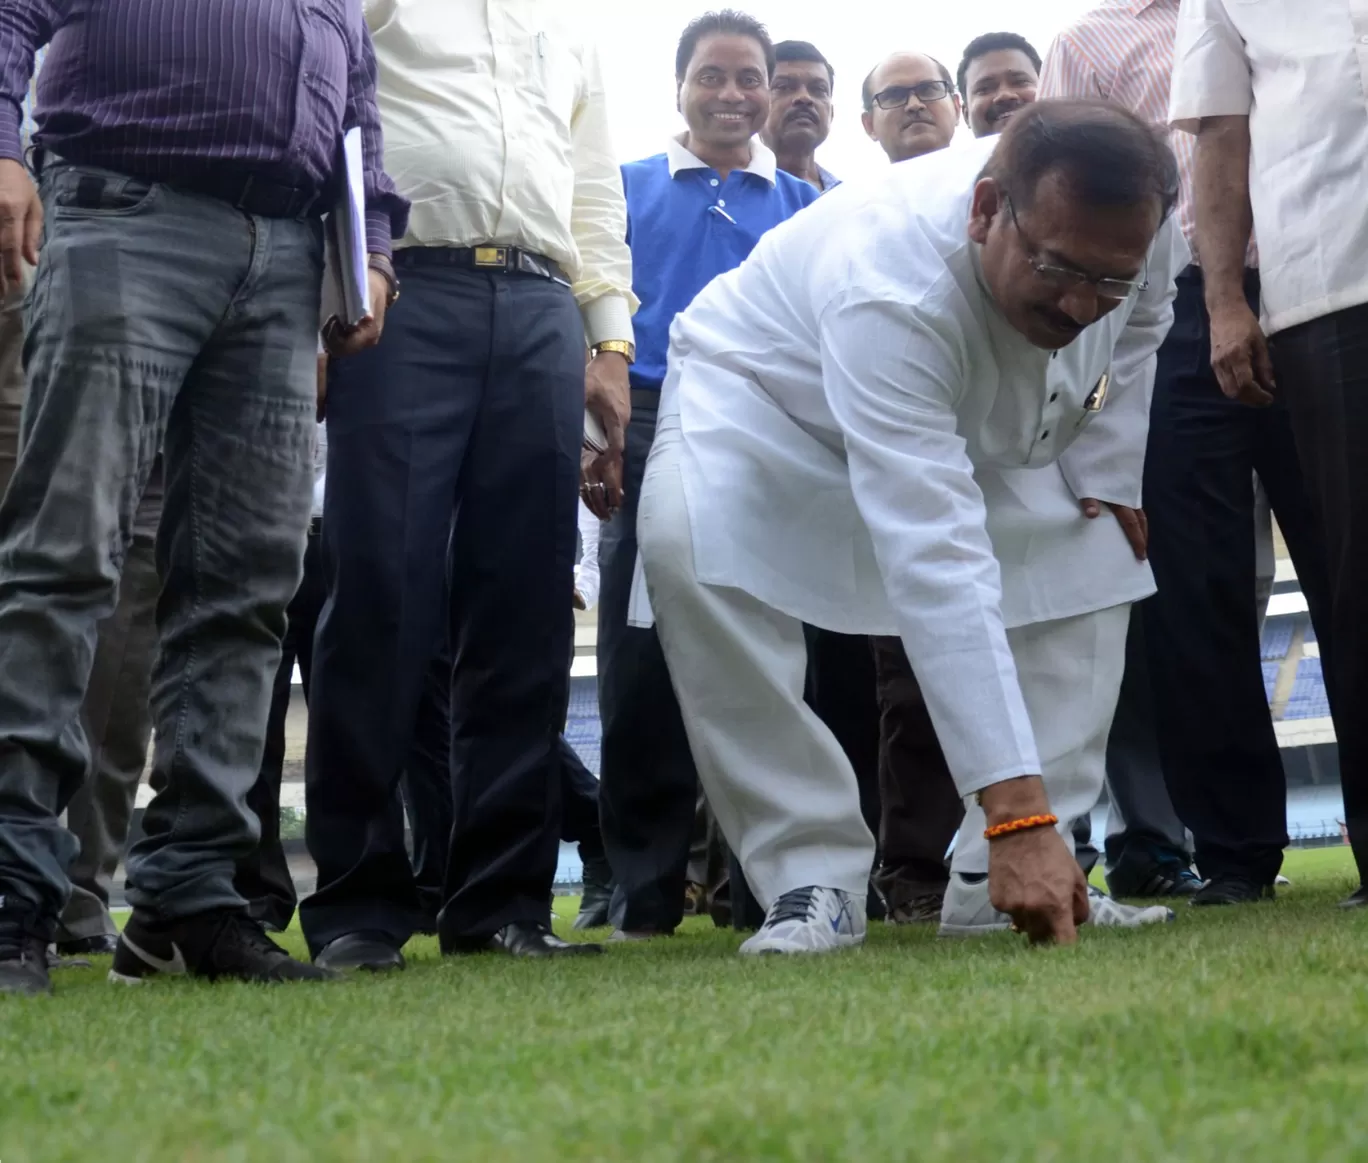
[[910, 106]]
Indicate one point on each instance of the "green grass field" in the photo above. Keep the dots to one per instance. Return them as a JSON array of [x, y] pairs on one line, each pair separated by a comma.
[[1231, 1035]]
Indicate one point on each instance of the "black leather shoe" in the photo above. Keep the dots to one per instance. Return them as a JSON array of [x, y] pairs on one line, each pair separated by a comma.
[[368, 951], [522, 939], [598, 893], [1358, 900], [23, 964], [101, 946], [1231, 890]]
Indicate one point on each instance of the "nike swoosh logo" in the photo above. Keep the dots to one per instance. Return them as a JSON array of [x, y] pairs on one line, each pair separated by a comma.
[[837, 919], [175, 965]]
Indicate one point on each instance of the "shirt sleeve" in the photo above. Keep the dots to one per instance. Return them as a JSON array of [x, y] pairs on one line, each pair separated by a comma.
[[386, 212], [892, 380], [598, 216], [1067, 72], [25, 26], [1210, 70], [1107, 461], [587, 577]]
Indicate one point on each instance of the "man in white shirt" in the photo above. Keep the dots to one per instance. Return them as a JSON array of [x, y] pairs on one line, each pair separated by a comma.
[[1276, 96], [835, 411], [454, 449]]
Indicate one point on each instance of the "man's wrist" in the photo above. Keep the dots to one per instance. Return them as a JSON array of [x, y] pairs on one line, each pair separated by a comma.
[[1014, 799], [1224, 295]]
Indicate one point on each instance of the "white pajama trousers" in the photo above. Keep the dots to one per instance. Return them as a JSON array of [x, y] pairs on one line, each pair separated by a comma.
[[782, 789]]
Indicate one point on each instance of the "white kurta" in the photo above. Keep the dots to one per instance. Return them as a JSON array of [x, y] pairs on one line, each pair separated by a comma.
[[850, 398]]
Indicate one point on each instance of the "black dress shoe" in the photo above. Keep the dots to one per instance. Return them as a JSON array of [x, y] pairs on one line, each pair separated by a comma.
[[1358, 900], [369, 951], [522, 939], [1231, 890], [101, 946]]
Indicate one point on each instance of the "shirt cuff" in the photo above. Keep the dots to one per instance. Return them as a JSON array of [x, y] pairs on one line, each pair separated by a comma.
[[378, 229], [608, 317], [11, 142]]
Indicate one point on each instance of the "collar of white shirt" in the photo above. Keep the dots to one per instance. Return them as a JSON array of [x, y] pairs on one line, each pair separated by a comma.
[[763, 162]]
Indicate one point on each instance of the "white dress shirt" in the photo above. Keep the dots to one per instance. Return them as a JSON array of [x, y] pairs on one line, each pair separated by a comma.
[[1299, 72], [856, 415], [496, 128]]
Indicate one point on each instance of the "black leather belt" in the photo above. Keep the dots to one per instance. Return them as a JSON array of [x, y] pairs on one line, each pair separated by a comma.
[[250, 194], [482, 258]]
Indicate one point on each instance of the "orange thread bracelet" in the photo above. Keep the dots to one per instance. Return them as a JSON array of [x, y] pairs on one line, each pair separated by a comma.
[[997, 831]]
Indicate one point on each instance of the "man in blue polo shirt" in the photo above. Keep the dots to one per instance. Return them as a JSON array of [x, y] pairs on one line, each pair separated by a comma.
[[694, 212]]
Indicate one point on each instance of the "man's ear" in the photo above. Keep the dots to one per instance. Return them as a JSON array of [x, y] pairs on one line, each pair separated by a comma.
[[867, 120], [987, 204]]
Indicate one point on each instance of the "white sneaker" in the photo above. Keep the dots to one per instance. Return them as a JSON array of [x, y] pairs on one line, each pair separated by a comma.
[[968, 912], [1103, 910], [810, 920]]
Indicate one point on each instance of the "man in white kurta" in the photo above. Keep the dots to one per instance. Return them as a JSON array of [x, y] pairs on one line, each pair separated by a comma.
[[839, 429]]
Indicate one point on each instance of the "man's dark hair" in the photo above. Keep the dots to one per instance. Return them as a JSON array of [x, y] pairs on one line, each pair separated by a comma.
[[981, 46], [1107, 155], [801, 50], [867, 89], [727, 22]]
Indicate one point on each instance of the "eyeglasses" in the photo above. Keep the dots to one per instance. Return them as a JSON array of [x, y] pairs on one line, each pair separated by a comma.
[[895, 97], [1066, 279]]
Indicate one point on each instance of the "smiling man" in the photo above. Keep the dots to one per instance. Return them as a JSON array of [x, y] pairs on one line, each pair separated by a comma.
[[834, 423], [910, 106], [693, 212], [800, 111], [998, 75]]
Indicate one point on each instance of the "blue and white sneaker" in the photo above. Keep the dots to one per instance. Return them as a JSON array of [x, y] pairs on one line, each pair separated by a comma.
[[811, 920]]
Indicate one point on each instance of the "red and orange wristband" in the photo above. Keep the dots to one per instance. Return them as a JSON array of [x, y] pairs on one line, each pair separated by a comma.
[[1025, 824]]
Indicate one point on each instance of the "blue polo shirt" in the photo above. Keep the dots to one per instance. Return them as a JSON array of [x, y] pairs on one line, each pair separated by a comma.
[[686, 226]]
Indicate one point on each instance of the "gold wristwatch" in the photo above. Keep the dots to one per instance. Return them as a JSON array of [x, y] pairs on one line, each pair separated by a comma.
[[621, 346]]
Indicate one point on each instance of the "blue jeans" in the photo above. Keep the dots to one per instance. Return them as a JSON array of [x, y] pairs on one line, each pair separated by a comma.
[[156, 319]]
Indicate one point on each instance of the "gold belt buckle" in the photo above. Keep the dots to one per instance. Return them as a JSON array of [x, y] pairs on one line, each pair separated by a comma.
[[492, 256]]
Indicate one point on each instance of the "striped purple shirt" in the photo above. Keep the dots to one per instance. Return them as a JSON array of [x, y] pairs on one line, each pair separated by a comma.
[[200, 89]]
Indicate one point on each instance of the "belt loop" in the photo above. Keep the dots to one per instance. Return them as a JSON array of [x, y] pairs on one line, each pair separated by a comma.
[[241, 203]]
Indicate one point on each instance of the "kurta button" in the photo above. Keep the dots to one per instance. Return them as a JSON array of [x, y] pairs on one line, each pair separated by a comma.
[[721, 201], [1054, 397], [714, 182], [1045, 435]]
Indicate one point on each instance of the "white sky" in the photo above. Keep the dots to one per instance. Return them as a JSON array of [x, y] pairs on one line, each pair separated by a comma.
[[637, 40]]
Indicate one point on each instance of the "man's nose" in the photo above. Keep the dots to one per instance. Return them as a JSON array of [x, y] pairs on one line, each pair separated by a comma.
[[1083, 305]]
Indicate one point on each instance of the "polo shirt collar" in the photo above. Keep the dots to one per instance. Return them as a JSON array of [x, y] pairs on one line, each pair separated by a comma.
[[762, 164]]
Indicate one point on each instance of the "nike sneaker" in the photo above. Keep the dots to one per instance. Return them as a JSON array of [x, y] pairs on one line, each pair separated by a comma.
[[216, 945], [810, 920]]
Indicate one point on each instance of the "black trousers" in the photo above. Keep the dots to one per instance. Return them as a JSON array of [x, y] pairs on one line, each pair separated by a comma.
[[1322, 371], [649, 786], [453, 450], [264, 879], [922, 810], [1216, 740]]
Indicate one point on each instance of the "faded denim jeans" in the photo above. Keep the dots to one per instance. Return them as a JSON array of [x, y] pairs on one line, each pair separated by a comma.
[[155, 319]]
